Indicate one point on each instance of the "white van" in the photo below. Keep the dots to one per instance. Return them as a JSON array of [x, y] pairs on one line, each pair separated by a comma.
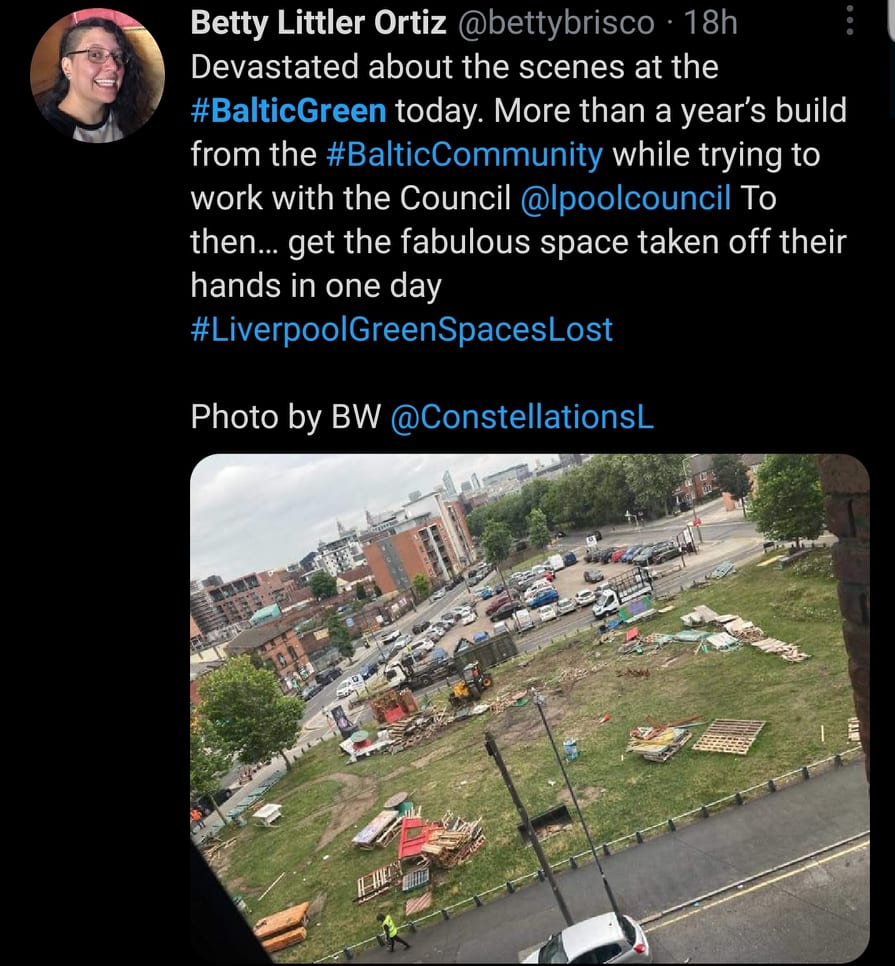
[[351, 684]]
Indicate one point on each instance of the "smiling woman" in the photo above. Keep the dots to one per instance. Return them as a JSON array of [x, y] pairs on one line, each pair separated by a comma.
[[95, 80]]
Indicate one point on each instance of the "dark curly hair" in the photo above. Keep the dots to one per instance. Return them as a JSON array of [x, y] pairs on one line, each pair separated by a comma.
[[132, 107]]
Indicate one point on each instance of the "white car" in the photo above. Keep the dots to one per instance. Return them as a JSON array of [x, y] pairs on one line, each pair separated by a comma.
[[585, 597], [600, 939], [548, 613], [565, 605], [470, 617], [439, 594]]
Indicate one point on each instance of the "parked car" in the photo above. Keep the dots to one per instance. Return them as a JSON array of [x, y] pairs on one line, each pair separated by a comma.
[[486, 592], [548, 613], [606, 554], [628, 555], [391, 636], [547, 596], [616, 554], [439, 594], [496, 603], [470, 618], [480, 636], [328, 674], [420, 626], [593, 576], [643, 555], [309, 690], [569, 559], [369, 669], [505, 610], [565, 605], [600, 939], [585, 597], [669, 553]]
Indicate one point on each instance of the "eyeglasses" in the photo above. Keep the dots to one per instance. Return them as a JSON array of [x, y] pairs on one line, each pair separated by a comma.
[[99, 55]]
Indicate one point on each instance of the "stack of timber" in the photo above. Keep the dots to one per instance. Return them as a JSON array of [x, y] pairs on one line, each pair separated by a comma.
[[454, 841], [284, 928]]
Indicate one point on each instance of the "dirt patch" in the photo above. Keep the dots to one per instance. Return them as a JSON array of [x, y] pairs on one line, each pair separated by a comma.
[[356, 798]]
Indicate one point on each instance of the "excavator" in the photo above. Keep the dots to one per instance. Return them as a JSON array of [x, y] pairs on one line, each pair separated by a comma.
[[471, 685]]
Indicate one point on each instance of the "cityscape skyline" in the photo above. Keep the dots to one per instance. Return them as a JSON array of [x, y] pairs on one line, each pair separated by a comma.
[[260, 512]]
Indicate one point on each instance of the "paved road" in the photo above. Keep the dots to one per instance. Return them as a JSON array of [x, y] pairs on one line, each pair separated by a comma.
[[684, 870]]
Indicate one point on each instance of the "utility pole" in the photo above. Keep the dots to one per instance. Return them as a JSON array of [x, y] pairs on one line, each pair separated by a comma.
[[539, 701], [493, 751]]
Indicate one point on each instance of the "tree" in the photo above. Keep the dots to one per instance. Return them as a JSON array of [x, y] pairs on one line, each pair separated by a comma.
[[323, 585], [653, 477], [208, 762], [359, 592], [421, 586], [338, 634], [732, 476], [788, 503], [538, 533], [246, 713], [497, 541]]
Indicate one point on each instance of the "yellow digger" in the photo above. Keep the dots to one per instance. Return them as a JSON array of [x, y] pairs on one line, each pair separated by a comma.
[[471, 685]]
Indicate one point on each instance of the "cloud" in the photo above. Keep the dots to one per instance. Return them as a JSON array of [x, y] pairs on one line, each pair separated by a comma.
[[253, 512]]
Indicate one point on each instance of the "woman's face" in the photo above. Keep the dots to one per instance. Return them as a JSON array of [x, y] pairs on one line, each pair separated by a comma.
[[96, 83]]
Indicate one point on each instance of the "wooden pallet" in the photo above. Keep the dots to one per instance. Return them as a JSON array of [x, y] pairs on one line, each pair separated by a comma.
[[379, 880], [854, 732], [730, 737], [415, 879], [417, 904]]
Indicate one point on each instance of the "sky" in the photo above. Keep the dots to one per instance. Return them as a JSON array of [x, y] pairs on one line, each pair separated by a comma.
[[252, 512]]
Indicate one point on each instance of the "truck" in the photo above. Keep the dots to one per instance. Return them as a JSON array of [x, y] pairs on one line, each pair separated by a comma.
[[522, 619], [495, 650], [408, 673], [620, 590], [555, 562]]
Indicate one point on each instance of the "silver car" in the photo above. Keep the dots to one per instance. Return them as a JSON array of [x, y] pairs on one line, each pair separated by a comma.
[[601, 939]]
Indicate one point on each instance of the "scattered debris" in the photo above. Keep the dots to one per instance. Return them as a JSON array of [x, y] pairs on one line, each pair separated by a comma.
[[284, 928], [634, 672], [454, 841], [658, 744], [722, 570], [854, 731], [789, 652], [380, 831], [699, 615], [378, 881]]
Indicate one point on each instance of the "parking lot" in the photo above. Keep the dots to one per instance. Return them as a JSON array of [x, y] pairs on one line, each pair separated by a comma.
[[567, 582]]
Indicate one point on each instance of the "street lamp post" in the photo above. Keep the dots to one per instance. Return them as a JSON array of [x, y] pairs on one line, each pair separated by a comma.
[[539, 702], [494, 752]]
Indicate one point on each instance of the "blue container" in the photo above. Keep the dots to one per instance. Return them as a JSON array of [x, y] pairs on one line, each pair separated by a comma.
[[570, 747]]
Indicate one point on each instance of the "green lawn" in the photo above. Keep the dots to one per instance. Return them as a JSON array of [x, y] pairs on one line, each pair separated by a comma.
[[619, 793]]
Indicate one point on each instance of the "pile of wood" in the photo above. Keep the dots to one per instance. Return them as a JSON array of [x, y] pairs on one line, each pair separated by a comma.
[[411, 731], [658, 744], [789, 652], [453, 842], [284, 928]]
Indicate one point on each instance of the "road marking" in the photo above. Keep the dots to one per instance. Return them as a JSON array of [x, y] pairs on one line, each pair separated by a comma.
[[703, 907]]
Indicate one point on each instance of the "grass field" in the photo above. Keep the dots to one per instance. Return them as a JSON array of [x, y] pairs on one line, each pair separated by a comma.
[[805, 708]]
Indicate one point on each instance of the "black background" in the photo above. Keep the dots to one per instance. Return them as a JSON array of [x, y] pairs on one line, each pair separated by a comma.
[[727, 354]]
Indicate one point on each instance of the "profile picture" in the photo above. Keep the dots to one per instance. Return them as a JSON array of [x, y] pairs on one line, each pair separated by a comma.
[[97, 75]]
